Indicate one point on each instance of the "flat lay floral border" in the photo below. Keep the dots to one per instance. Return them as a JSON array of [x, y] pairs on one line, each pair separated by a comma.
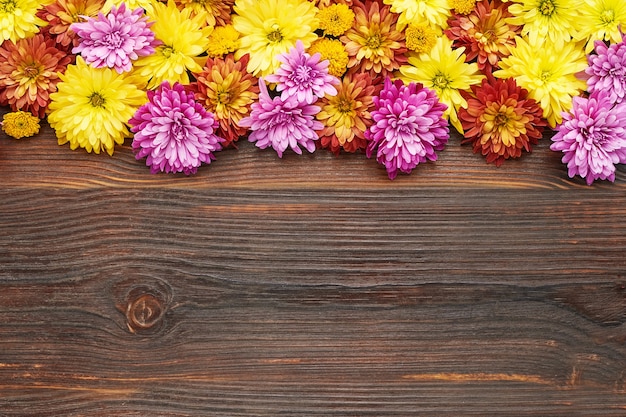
[[187, 78]]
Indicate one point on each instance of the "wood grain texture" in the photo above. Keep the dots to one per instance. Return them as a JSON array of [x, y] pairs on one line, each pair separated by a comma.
[[310, 286]]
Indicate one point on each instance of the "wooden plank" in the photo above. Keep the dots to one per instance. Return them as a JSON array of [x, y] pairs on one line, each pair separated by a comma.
[[310, 286]]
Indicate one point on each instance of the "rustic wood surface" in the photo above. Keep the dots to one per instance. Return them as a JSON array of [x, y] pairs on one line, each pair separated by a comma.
[[308, 286]]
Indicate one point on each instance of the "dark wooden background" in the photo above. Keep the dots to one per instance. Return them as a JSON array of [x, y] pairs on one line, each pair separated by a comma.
[[308, 286]]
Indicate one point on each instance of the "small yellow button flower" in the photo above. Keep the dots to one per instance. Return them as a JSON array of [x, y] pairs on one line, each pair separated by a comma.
[[20, 124]]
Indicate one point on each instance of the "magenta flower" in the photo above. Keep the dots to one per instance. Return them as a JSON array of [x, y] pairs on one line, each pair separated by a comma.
[[607, 70], [174, 132], [408, 127], [592, 137], [280, 122], [115, 40], [303, 76]]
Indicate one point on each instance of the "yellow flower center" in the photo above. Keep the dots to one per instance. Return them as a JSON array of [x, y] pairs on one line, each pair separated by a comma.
[[546, 7], [344, 106], [167, 51], [607, 17], [8, 6], [96, 100], [374, 41], [441, 81], [545, 76], [223, 97], [31, 71], [275, 35], [502, 120]]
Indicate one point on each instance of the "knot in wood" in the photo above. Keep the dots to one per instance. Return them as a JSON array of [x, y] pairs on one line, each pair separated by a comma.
[[144, 312]]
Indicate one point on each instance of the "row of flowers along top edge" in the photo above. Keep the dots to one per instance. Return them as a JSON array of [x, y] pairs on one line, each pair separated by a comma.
[[187, 78]]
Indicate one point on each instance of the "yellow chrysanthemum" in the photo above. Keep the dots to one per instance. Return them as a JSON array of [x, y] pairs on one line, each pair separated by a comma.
[[184, 38], [335, 19], [92, 106], [272, 27], [445, 71], [601, 20], [20, 124], [552, 19], [223, 40], [462, 6], [421, 12], [420, 38], [548, 73], [18, 19], [334, 51], [147, 5]]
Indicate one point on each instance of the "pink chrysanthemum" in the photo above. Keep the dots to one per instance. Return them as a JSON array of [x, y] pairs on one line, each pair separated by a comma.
[[592, 137], [607, 70], [303, 76], [115, 40], [174, 132], [282, 122], [408, 127]]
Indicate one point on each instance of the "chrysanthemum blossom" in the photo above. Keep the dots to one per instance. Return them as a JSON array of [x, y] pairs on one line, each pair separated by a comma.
[[61, 14], [500, 121], [282, 123], [18, 19], [29, 72], [115, 40], [601, 20], [303, 76], [444, 70], [554, 20], [429, 12], [592, 137], [215, 12], [184, 40], [333, 51], [20, 124], [484, 33], [346, 116], [174, 132], [374, 43], [335, 19], [271, 27], [227, 89], [549, 74], [408, 127], [92, 106], [607, 70]]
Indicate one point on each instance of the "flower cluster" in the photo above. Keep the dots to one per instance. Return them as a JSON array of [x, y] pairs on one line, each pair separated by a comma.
[[184, 79]]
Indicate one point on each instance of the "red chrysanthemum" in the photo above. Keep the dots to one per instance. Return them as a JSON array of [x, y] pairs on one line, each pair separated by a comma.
[[500, 120], [484, 33], [373, 43], [62, 13], [29, 73], [227, 89]]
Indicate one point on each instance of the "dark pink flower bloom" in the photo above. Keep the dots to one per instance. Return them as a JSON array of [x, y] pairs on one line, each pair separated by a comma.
[[607, 70], [282, 122], [408, 127], [303, 76], [115, 40], [174, 132], [592, 137]]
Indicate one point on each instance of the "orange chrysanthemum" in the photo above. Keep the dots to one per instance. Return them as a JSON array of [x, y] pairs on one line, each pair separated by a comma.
[[346, 116], [29, 73], [217, 12], [500, 120], [373, 43], [228, 90], [62, 13], [484, 33]]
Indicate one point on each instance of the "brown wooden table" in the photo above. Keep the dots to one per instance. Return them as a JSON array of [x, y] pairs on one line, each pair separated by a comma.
[[308, 286]]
